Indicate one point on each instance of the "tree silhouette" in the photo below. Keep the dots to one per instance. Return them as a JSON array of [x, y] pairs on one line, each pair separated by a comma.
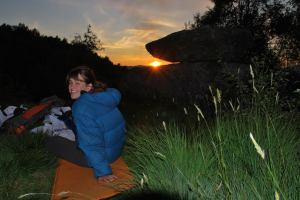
[[89, 40]]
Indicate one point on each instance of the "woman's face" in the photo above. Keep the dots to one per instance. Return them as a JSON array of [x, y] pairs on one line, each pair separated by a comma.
[[78, 85]]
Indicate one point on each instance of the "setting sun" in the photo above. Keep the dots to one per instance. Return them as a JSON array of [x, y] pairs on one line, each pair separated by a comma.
[[155, 64]]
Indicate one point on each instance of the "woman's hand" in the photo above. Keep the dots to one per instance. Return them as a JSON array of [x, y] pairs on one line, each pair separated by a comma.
[[107, 179]]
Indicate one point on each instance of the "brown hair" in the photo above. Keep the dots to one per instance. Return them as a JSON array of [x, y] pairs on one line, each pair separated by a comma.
[[88, 76]]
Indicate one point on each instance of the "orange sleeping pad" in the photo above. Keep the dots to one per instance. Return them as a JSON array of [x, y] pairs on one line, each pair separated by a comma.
[[76, 182]]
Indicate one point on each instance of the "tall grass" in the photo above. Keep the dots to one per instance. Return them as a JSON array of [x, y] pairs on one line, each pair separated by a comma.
[[25, 166], [218, 160]]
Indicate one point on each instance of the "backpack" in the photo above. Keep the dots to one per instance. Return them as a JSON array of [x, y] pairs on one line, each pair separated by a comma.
[[19, 123]]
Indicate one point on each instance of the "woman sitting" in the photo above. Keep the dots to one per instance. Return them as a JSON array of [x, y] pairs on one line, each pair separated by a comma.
[[99, 125]]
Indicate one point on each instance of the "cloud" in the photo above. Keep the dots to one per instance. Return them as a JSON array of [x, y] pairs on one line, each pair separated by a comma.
[[155, 24], [132, 38]]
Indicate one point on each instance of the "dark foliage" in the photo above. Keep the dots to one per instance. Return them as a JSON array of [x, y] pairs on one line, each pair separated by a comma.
[[275, 56], [274, 25], [36, 65]]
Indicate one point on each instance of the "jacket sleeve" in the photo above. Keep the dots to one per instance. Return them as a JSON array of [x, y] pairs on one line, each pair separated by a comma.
[[91, 142]]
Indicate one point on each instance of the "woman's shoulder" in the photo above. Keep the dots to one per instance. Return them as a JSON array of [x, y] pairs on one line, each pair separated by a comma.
[[107, 91]]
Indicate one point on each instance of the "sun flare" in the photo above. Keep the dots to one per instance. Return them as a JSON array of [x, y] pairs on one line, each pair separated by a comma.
[[155, 64]]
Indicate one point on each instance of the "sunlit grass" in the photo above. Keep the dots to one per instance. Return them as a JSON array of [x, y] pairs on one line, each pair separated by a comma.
[[219, 161]]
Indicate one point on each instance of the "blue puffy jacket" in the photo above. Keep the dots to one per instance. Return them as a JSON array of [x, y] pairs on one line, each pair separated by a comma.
[[100, 128]]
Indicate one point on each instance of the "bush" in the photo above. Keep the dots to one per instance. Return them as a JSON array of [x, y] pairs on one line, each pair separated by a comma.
[[265, 86]]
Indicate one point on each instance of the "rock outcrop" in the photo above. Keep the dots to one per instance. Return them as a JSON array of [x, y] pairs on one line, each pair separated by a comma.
[[205, 44]]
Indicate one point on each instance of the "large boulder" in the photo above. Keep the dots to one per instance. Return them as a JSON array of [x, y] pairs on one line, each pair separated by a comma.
[[204, 44]]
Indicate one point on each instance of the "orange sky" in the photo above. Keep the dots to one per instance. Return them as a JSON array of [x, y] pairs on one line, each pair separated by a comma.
[[131, 57], [145, 22], [129, 49]]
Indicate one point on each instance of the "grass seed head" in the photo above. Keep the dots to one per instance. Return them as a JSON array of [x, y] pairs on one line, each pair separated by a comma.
[[185, 111], [142, 182], [251, 72], [277, 196], [164, 125], [145, 178], [259, 150], [160, 155], [199, 111], [219, 95]]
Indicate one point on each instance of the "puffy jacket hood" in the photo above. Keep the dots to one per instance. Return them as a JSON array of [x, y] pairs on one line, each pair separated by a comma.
[[111, 97]]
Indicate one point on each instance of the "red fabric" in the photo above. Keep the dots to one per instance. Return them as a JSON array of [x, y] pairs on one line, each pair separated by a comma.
[[35, 109]]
